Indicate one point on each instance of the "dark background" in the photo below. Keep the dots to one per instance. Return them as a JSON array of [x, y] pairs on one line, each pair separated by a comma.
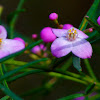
[[32, 21]]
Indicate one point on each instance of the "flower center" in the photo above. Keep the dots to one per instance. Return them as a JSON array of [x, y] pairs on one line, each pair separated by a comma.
[[0, 42], [72, 34]]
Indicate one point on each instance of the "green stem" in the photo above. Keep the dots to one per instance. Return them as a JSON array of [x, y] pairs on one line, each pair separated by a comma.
[[67, 77], [88, 66], [13, 21], [2, 73]]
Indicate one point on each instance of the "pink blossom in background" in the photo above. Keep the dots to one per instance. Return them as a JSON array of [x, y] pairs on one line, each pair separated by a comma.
[[98, 20], [34, 36], [72, 40], [19, 39], [8, 46], [53, 16], [43, 47], [36, 50], [67, 26], [47, 35]]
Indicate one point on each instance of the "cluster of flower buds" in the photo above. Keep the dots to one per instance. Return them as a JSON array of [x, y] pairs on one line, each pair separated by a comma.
[[40, 50]]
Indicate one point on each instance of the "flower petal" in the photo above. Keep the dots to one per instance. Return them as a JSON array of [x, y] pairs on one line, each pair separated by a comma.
[[3, 53], [81, 34], [3, 32], [59, 32], [61, 47], [82, 48], [12, 45]]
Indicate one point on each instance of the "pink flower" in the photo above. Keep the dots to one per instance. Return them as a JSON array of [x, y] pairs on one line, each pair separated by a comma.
[[47, 35], [19, 39], [53, 16], [8, 46], [36, 50], [34, 36], [98, 20], [67, 26], [72, 40], [43, 47]]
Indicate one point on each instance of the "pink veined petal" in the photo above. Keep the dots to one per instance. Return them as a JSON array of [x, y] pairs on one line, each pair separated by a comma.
[[59, 32], [61, 47], [81, 34], [3, 32], [3, 53], [12, 45], [82, 48]]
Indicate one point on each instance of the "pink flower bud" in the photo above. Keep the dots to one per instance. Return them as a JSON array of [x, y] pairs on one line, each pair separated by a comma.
[[36, 50], [90, 30], [19, 39], [47, 35], [98, 20], [67, 26], [34, 36], [53, 16], [43, 47], [45, 54]]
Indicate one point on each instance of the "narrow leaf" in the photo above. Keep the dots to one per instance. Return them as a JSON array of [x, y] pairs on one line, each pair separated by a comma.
[[9, 93], [89, 88], [90, 13], [20, 68], [72, 97], [20, 52], [92, 23], [5, 98], [76, 63]]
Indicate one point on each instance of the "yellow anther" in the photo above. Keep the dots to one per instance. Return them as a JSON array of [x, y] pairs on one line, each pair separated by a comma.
[[69, 31], [72, 34], [0, 41], [74, 31]]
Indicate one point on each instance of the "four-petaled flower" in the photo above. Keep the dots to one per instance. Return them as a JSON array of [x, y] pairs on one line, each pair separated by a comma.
[[72, 40], [8, 46]]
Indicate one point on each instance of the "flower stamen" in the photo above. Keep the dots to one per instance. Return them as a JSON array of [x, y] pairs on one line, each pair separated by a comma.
[[72, 34], [0, 42]]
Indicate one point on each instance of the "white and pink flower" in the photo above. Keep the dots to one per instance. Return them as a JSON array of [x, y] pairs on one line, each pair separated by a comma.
[[8, 46], [72, 40]]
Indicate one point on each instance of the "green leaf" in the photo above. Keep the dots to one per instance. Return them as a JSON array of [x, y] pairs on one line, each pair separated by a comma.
[[72, 97], [86, 98], [76, 63], [9, 93], [92, 23], [91, 13], [89, 88], [5, 98], [20, 68], [24, 74], [20, 52]]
